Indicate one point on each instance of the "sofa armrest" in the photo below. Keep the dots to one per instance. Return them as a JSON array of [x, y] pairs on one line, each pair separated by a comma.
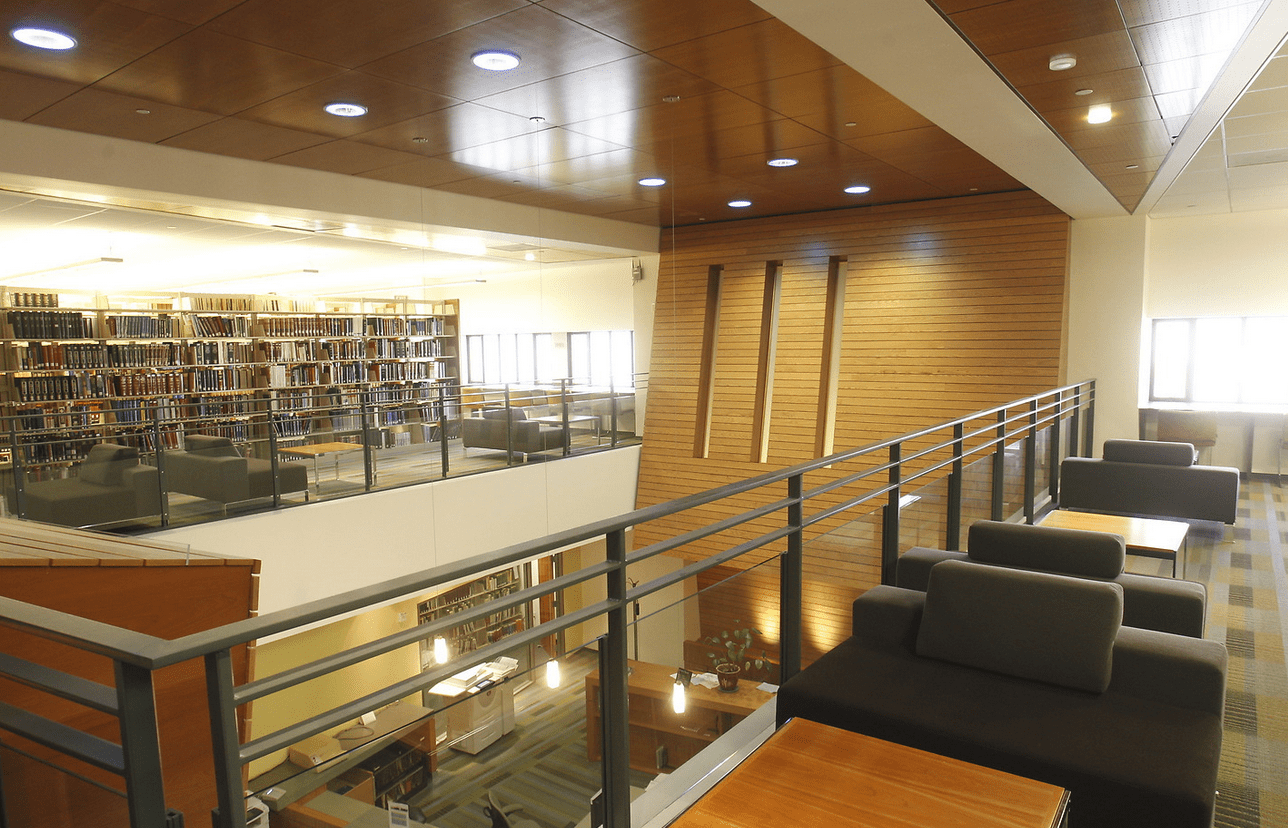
[[912, 571], [1173, 669], [888, 617], [145, 482], [1163, 604]]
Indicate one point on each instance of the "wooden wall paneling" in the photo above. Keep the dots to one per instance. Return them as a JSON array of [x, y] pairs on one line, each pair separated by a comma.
[[939, 308], [734, 394], [707, 363], [765, 361]]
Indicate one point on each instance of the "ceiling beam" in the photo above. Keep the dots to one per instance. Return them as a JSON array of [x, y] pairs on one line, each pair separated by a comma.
[[908, 49]]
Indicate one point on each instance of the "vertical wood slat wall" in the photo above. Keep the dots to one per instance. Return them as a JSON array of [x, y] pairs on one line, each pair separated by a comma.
[[889, 319]]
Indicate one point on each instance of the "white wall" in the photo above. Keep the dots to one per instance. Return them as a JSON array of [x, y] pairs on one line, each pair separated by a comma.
[[319, 550], [1107, 265], [1126, 271]]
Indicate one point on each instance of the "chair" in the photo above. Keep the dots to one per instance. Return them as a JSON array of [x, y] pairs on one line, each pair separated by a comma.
[[500, 814], [111, 485], [1198, 428]]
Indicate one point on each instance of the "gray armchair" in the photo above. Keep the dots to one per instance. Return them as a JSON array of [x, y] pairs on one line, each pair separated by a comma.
[[488, 430], [213, 468], [111, 485]]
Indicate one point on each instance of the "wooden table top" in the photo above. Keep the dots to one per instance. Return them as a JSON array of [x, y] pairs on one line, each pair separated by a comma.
[[656, 680], [820, 775], [1139, 533], [319, 449]]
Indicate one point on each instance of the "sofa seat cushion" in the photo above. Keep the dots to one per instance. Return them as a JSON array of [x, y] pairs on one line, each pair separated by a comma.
[[1033, 625], [1150, 451], [1129, 761], [1064, 551]]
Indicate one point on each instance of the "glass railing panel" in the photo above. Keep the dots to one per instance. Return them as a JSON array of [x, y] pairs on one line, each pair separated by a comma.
[[839, 566], [977, 490], [67, 796], [923, 517]]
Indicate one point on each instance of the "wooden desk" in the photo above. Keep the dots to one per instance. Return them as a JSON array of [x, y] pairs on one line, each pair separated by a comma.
[[662, 739], [1149, 537], [812, 774], [316, 450]]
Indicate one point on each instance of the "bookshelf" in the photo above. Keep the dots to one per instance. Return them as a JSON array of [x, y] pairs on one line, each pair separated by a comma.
[[76, 369], [468, 637]]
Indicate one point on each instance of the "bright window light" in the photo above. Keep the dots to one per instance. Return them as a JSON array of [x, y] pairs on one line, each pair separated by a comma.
[[1219, 361]]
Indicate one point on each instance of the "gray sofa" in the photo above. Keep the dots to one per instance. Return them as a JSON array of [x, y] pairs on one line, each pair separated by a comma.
[[1142, 477], [1149, 602], [111, 485], [212, 468], [1033, 674], [488, 430]]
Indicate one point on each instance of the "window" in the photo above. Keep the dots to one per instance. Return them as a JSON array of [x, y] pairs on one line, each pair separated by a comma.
[[501, 358], [1218, 360], [602, 358]]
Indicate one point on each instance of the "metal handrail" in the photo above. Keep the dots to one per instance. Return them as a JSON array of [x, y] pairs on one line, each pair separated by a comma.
[[138, 655]]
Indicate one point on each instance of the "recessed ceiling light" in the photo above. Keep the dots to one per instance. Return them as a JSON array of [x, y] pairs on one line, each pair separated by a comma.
[[858, 189], [537, 119], [44, 39], [740, 202], [1099, 114], [529, 256], [851, 123], [346, 110], [671, 99], [1133, 166], [495, 60], [652, 182], [1060, 63], [420, 139], [143, 111], [782, 162], [1083, 91]]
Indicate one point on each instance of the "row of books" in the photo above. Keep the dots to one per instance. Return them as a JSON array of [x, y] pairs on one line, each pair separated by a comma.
[[236, 430], [42, 324], [292, 425], [221, 379], [403, 326], [220, 326], [220, 353], [141, 326], [307, 325], [394, 371], [33, 300], [306, 350], [404, 348]]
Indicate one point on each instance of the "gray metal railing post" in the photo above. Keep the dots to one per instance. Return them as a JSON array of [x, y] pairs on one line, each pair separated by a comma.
[[890, 517], [19, 471], [272, 455], [1054, 446], [999, 469], [509, 429], [140, 746], [231, 810], [953, 520], [1031, 463], [791, 585], [365, 413], [442, 430], [564, 411], [1089, 426], [613, 675], [612, 412], [1075, 426], [161, 483]]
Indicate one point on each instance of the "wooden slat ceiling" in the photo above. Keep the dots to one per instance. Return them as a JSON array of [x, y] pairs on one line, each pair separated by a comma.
[[1150, 61], [249, 78]]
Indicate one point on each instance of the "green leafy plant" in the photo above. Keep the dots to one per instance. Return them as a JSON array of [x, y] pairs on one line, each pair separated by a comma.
[[730, 647]]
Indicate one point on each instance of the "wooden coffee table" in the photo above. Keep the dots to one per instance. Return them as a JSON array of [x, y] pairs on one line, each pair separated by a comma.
[[316, 450], [812, 774], [1149, 537]]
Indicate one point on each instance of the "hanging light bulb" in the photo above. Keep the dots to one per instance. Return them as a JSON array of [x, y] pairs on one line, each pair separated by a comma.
[[678, 697], [552, 673], [440, 650]]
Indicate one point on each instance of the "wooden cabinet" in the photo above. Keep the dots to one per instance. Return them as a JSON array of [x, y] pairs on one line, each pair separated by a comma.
[[661, 739]]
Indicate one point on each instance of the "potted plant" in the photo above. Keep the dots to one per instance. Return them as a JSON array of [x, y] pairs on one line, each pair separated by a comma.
[[729, 654]]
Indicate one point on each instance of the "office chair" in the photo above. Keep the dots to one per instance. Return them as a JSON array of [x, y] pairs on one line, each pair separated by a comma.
[[500, 814], [1198, 428]]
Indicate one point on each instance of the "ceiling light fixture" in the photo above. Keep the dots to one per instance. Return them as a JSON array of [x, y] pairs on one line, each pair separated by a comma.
[[495, 60], [782, 162], [858, 189], [1060, 63], [740, 202], [1083, 91], [1099, 114], [44, 39], [652, 182], [346, 110]]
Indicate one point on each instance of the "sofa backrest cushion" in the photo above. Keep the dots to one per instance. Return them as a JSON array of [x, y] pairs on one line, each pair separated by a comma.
[[106, 462], [206, 445], [1064, 551], [1149, 451], [499, 414], [1031, 625]]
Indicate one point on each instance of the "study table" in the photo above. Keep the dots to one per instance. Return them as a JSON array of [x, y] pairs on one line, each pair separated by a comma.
[[813, 774], [316, 450], [1149, 537]]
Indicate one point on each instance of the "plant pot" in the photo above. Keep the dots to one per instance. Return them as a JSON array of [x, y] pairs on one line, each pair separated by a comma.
[[728, 676]]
